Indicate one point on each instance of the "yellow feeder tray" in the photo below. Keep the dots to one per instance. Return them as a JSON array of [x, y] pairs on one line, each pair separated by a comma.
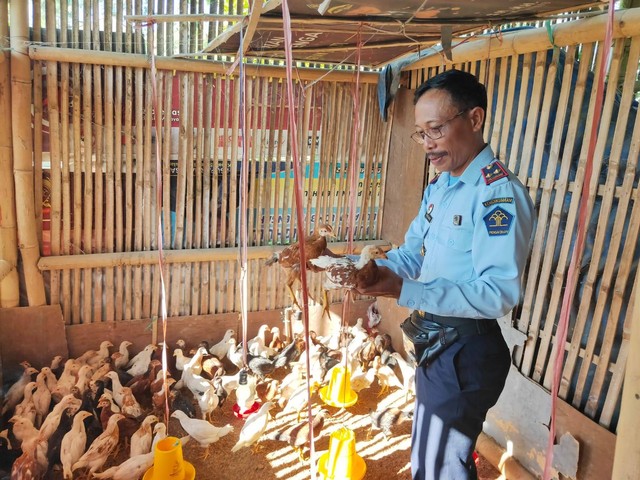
[[168, 463], [342, 462], [339, 393]]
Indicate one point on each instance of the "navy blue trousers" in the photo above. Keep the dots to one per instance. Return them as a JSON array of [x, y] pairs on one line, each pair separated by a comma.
[[453, 395]]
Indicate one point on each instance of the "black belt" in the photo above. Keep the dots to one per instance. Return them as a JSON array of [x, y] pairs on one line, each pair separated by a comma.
[[465, 326]]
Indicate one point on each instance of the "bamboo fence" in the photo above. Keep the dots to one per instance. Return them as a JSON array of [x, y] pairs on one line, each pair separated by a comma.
[[543, 99], [98, 153]]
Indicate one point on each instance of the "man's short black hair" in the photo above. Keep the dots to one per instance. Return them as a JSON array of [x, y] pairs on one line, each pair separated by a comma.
[[465, 89]]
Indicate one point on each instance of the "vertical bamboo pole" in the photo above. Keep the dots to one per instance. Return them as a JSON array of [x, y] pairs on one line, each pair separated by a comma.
[[77, 165], [9, 285], [110, 173], [149, 216], [280, 226], [265, 164], [196, 198], [233, 299], [37, 123], [129, 166], [98, 227], [119, 193], [138, 206], [208, 202], [53, 113], [22, 137]]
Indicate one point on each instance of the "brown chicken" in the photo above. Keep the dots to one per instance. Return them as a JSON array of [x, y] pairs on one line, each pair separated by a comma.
[[343, 272], [289, 258], [298, 436]]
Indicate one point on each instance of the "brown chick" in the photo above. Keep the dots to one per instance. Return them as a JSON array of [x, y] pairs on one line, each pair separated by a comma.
[[289, 258], [298, 436], [267, 390], [387, 418]]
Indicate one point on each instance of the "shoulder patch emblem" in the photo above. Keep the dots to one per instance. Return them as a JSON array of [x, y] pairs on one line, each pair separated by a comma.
[[434, 179], [494, 171], [498, 222], [493, 201]]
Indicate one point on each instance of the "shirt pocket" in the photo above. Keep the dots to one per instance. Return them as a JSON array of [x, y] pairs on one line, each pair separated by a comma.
[[458, 239]]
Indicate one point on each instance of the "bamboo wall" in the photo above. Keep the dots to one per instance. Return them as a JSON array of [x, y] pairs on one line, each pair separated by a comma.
[[94, 141], [540, 127]]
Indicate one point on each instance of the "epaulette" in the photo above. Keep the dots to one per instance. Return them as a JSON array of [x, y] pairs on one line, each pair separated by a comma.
[[493, 172]]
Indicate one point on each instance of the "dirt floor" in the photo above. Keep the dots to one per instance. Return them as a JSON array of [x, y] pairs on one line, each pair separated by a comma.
[[384, 458]]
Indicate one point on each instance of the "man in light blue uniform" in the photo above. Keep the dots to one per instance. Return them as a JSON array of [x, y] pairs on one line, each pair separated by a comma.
[[460, 266]]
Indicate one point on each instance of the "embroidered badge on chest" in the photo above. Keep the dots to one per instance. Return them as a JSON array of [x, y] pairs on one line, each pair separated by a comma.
[[494, 171], [498, 222]]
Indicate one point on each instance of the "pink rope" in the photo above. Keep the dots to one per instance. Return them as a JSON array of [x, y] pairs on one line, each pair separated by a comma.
[[159, 238], [569, 292], [297, 179]]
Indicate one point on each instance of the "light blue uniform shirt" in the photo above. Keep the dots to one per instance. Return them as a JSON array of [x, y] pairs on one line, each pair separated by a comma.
[[475, 238]]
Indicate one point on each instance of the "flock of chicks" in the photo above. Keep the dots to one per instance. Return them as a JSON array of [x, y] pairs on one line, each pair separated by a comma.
[[79, 414]]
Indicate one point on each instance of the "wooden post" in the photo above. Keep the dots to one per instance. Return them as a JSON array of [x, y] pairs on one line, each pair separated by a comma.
[[9, 285], [626, 460], [22, 136]]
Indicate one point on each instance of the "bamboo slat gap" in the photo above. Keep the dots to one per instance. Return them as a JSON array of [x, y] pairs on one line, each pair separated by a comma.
[[199, 173], [561, 269], [605, 208], [265, 162], [248, 137], [233, 181], [312, 213], [280, 226], [306, 162], [328, 109], [522, 101], [218, 165], [88, 167], [367, 190], [138, 182], [167, 225], [226, 163], [38, 172], [561, 187], [502, 149]]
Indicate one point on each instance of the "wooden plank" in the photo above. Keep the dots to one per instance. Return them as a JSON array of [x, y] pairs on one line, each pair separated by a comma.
[[46, 335], [403, 189], [626, 460]]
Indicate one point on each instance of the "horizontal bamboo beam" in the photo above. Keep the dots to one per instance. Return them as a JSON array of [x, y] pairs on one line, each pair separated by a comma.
[[106, 260], [117, 59], [185, 17], [626, 24]]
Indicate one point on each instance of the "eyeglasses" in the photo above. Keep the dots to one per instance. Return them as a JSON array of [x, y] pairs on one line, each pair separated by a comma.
[[434, 133]]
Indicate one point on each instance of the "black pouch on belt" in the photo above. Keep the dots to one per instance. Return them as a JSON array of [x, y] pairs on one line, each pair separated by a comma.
[[425, 339]]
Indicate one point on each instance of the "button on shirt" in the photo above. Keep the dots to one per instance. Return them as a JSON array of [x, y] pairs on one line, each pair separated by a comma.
[[475, 238]]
